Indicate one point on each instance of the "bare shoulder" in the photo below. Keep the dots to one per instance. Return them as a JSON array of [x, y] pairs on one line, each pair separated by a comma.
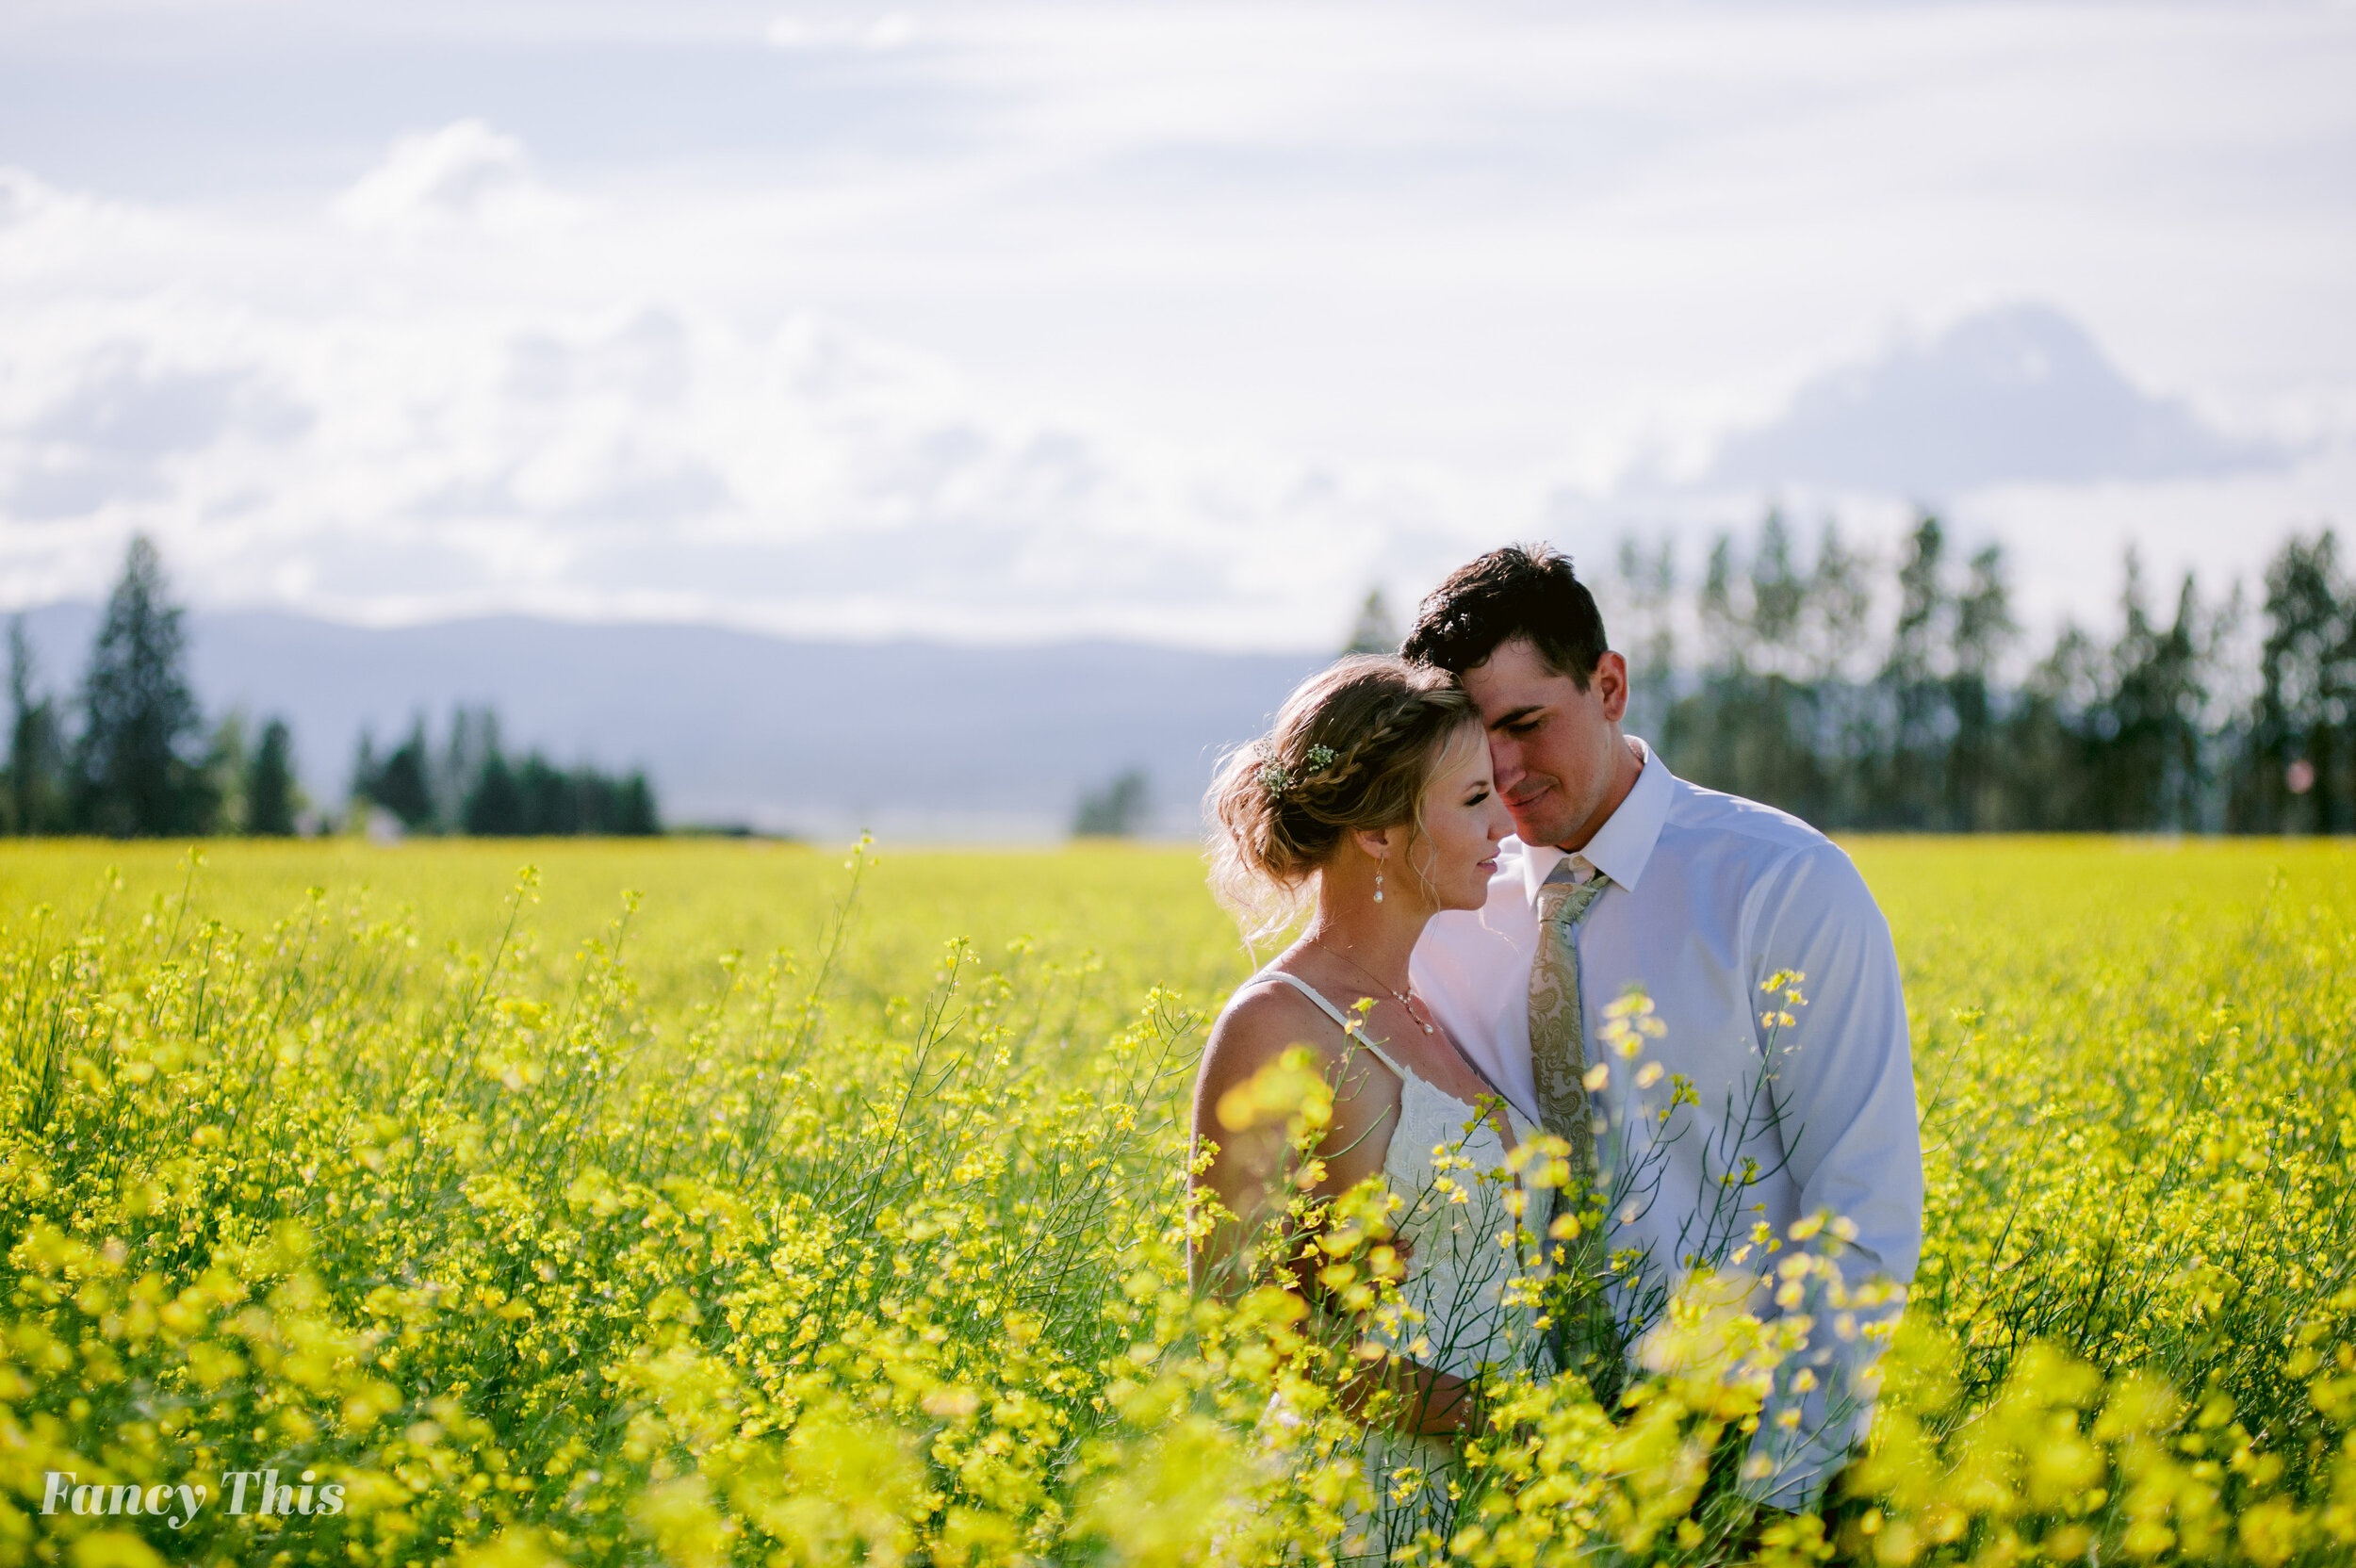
[[1260, 1026], [1256, 1030]]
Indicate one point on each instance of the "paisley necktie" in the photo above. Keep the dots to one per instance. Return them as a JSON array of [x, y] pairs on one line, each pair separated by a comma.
[[1586, 1334]]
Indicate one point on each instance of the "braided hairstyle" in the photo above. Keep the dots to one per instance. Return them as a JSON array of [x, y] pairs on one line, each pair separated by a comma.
[[1352, 749]]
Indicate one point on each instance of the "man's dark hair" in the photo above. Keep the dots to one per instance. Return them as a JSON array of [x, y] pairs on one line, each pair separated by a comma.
[[1525, 591]]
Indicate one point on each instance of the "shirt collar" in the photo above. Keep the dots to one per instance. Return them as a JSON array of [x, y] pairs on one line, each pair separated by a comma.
[[1624, 844]]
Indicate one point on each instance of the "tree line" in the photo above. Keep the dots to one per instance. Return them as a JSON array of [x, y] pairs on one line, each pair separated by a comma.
[[130, 756], [469, 785], [1908, 702], [1854, 695]]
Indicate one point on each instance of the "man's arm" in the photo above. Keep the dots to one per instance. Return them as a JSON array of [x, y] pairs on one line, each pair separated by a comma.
[[1842, 1088]]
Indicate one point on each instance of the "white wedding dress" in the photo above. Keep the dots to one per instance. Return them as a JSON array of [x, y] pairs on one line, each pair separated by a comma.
[[1458, 1311]]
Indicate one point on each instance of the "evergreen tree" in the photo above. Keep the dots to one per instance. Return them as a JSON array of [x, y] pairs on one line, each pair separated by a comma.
[[1916, 697], [1757, 723], [2146, 761], [1708, 732], [453, 775], [1374, 630], [1984, 626], [1779, 598], [1839, 610], [132, 771], [1797, 706], [493, 795], [621, 805], [401, 782], [495, 807], [1645, 632], [1775, 697], [269, 784], [2047, 741], [227, 761], [1726, 630], [37, 793], [2296, 773], [632, 812], [551, 798], [1116, 811], [1837, 643], [2227, 721]]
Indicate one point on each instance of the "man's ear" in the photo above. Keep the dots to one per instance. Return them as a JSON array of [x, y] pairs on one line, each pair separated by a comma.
[[1611, 684]]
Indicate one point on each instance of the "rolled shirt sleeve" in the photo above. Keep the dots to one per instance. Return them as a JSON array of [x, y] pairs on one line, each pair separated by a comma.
[[1842, 1090]]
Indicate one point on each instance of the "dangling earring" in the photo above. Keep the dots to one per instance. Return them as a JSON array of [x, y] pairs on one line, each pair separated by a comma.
[[1378, 881]]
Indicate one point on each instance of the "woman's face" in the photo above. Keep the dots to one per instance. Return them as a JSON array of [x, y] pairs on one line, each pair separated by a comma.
[[1463, 821]]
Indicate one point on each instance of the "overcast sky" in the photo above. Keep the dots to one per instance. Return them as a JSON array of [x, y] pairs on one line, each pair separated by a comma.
[[1181, 321]]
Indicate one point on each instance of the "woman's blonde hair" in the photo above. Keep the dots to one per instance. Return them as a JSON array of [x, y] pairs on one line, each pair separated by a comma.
[[1352, 749]]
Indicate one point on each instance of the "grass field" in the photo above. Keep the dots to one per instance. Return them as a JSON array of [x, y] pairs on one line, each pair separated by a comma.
[[751, 1220]]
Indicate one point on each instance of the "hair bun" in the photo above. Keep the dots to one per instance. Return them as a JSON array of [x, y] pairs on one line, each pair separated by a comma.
[[1352, 749]]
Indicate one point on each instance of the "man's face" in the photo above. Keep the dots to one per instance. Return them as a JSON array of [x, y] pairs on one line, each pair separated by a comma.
[[1556, 749]]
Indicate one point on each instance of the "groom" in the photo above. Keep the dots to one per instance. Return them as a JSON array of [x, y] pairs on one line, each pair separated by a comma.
[[1622, 875]]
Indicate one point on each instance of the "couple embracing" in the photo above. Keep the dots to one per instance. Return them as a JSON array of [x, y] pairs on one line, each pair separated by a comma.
[[1492, 872]]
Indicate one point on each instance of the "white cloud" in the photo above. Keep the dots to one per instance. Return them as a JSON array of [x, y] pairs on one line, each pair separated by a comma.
[[464, 175], [1181, 319], [414, 446], [888, 31]]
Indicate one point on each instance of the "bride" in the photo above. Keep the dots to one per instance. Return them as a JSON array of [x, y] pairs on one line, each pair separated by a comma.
[[1371, 803]]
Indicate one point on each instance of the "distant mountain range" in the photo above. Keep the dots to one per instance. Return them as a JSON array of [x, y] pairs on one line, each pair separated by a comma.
[[911, 740]]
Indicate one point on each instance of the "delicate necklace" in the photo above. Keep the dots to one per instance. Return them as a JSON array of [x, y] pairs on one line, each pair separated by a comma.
[[1362, 968]]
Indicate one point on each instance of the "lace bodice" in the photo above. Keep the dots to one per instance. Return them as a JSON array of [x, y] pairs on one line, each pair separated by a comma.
[[1446, 1167]]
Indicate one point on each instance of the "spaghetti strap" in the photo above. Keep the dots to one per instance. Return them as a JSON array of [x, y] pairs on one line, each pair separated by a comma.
[[1348, 1025]]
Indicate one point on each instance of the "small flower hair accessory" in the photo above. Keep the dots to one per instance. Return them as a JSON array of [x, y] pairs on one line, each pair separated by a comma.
[[1279, 780]]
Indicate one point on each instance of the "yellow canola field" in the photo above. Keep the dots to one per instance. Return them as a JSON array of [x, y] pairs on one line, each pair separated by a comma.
[[703, 1203]]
